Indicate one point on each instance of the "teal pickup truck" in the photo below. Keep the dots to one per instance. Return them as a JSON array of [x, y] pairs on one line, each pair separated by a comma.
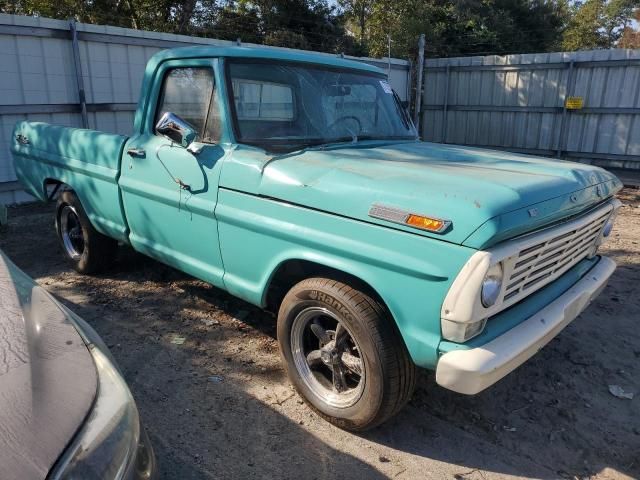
[[297, 182]]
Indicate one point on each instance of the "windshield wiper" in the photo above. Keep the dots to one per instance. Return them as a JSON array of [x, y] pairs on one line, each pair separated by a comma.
[[334, 142], [289, 146], [281, 147], [296, 148]]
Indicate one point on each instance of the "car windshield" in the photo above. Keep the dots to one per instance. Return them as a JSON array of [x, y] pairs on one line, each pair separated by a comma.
[[285, 106]]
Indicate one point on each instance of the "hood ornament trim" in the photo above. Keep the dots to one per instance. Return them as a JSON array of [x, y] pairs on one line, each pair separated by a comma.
[[400, 216]]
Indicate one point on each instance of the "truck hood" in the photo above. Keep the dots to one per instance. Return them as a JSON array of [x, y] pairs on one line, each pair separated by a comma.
[[470, 187], [48, 379]]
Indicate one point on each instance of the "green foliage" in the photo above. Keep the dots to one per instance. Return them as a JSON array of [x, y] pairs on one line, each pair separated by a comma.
[[357, 13], [309, 24], [363, 27], [598, 23], [236, 20], [630, 35], [467, 27]]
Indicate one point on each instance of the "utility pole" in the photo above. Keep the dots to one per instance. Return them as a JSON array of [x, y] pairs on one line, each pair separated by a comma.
[[418, 104]]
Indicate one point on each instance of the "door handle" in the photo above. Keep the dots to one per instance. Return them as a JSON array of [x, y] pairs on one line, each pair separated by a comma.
[[136, 152]]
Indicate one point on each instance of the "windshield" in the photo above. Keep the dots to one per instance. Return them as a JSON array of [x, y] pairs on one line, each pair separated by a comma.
[[284, 106]]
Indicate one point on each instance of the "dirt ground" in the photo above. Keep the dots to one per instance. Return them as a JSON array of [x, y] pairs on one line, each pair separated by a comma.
[[205, 371]]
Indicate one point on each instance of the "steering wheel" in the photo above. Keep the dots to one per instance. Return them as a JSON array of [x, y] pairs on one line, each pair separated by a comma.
[[347, 117]]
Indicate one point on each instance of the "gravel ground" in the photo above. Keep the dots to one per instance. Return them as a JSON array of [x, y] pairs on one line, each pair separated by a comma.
[[205, 371]]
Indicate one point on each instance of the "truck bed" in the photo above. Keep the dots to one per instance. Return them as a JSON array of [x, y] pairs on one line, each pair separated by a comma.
[[87, 160]]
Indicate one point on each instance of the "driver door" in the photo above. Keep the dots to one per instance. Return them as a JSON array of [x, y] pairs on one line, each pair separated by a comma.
[[169, 194]]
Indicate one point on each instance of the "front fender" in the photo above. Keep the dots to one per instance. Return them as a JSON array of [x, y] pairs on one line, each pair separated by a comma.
[[409, 272]]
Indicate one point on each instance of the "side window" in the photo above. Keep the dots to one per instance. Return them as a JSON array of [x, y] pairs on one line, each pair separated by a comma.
[[267, 101], [190, 94]]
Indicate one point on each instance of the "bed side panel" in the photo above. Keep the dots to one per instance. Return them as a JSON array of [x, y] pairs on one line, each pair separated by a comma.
[[86, 160]]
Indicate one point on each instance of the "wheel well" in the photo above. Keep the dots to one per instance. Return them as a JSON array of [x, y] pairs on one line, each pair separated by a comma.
[[51, 185], [292, 272]]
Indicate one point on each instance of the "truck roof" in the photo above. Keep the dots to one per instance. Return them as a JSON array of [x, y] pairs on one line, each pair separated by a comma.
[[271, 53]]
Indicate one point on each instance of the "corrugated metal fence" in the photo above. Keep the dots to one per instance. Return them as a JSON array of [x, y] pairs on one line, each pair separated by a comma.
[[38, 77], [518, 103]]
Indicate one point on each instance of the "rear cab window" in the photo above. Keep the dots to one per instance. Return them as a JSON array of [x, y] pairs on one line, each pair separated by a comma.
[[267, 101]]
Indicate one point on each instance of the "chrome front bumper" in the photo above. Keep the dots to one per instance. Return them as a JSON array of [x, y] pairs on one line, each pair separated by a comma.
[[471, 371]]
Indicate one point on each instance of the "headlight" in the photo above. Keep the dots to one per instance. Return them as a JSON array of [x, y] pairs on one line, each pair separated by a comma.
[[491, 285], [110, 443]]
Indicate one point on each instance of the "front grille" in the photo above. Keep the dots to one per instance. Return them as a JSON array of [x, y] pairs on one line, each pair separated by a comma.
[[553, 254]]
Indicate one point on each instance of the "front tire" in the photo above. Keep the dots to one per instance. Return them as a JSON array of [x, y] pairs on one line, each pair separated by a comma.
[[86, 249], [344, 354]]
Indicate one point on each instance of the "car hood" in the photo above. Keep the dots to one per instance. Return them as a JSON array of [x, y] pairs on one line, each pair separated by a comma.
[[48, 379], [467, 186]]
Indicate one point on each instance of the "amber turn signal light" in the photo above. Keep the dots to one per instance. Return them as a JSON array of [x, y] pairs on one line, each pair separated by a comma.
[[425, 223]]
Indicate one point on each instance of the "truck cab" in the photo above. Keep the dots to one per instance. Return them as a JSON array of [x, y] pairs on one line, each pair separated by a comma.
[[297, 182]]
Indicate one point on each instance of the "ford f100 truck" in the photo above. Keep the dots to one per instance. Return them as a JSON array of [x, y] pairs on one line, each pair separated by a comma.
[[297, 182]]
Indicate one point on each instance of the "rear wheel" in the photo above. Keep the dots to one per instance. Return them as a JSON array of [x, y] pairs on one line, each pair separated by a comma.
[[343, 353], [86, 249]]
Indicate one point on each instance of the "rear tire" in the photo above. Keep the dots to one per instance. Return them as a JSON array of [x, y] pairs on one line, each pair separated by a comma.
[[86, 249], [344, 354]]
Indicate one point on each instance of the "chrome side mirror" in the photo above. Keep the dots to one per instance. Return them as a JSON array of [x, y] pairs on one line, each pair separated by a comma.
[[177, 130]]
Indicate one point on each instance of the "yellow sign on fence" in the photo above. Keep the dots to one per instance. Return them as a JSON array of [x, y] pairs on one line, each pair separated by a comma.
[[574, 103]]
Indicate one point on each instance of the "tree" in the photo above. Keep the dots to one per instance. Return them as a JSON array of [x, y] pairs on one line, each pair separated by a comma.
[[236, 20], [466, 27], [630, 36], [305, 24], [362, 27], [357, 13], [287, 38], [316, 21], [598, 23]]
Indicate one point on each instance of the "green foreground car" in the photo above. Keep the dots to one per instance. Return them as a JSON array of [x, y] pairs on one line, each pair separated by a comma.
[[296, 181]]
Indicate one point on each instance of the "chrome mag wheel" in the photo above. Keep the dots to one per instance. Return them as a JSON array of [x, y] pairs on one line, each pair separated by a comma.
[[71, 232], [327, 357]]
